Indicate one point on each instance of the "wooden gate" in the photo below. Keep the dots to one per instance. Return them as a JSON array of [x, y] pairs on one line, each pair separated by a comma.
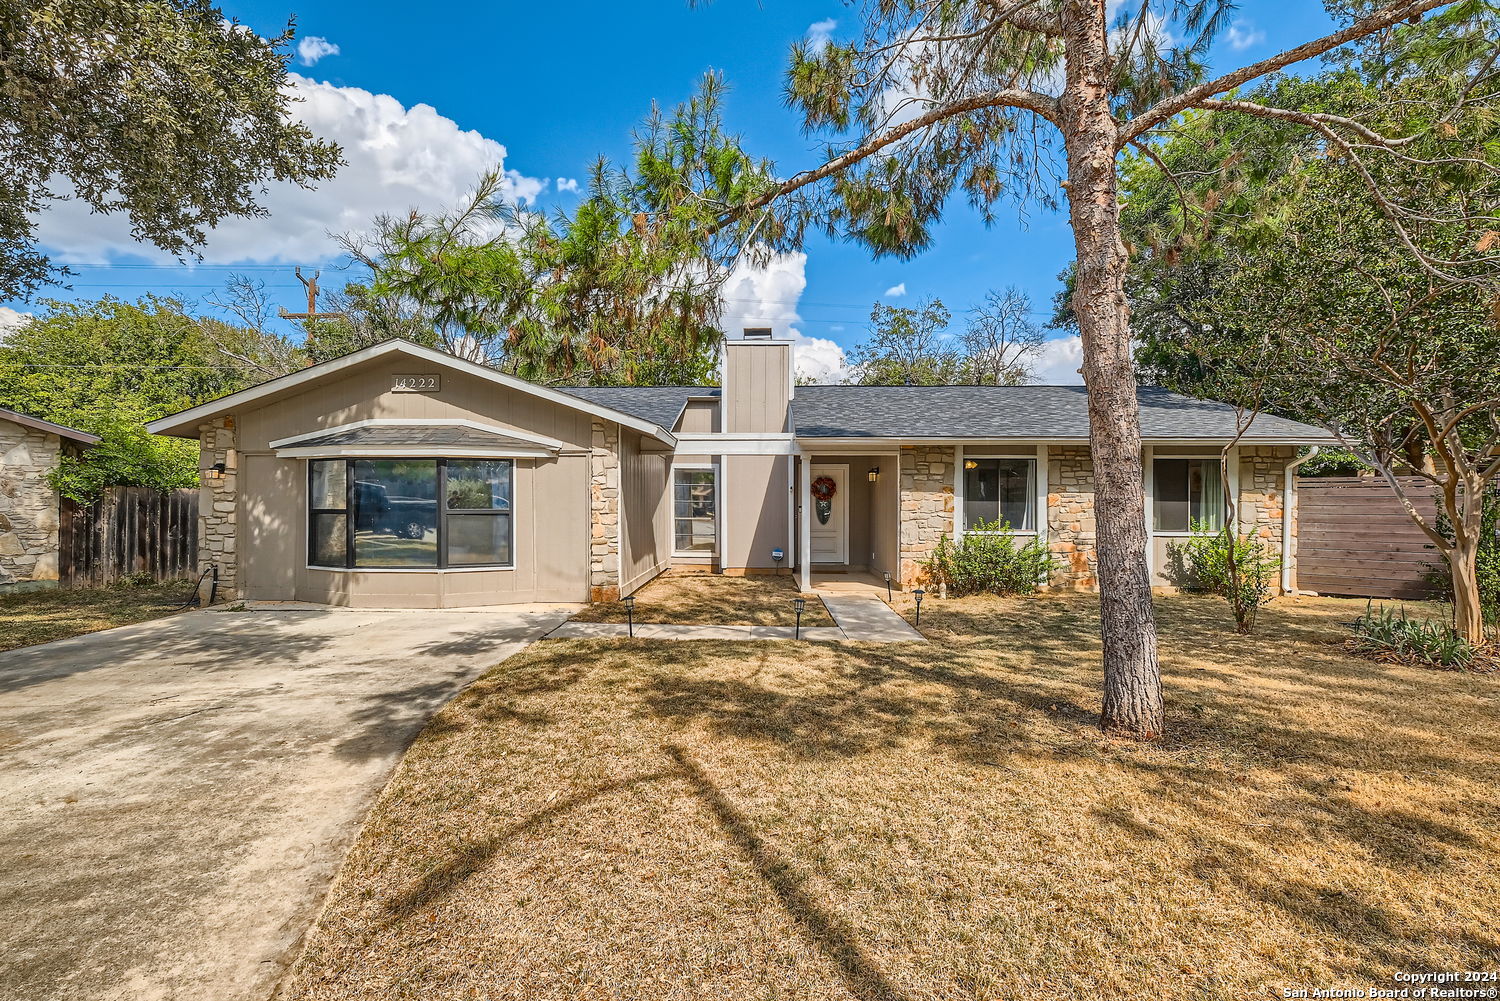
[[129, 530], [1355, 538]]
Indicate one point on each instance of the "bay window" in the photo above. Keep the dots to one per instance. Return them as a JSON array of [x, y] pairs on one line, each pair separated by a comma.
[[1000, 490], [385, 513], [1187, 494]]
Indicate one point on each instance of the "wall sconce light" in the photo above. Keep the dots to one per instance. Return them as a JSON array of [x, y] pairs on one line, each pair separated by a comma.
[[970, 464], [214, 472], [874, 473]]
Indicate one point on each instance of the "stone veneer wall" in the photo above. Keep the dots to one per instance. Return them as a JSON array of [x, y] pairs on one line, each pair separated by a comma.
[[604, 513], [1262, 495], [218, 502], [29, 507], [926, 505], [1072, 526]]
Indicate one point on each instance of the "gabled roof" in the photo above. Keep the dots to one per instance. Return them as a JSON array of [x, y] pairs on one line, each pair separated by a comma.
[[47, 427], [969, 412], [185, 424]]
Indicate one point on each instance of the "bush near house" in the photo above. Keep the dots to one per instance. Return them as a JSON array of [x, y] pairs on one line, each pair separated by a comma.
[[989, 559], [1202, 563]]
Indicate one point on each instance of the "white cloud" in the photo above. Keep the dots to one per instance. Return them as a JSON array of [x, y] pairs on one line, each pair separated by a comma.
[[767, 297], [312, 48], [567, 184], [896, 290], [1058, 362], [10, 320], [398, 158], [819, 33], [1243, 34]]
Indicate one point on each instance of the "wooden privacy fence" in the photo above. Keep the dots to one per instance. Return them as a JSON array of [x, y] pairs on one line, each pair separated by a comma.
[[1355, 538], [129, 530]]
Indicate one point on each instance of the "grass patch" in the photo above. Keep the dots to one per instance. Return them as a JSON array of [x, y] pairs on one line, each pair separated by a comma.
[[713, 599], [638, 820], [29, 617]]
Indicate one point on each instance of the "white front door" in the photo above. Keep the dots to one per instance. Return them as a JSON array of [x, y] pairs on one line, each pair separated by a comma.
[[830, 519]]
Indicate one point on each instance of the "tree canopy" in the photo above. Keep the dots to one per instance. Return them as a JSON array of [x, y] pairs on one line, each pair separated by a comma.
[[912, 346], [167, 111]]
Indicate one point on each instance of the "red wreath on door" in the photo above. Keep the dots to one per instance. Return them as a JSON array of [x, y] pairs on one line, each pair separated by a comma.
[[824, 487]]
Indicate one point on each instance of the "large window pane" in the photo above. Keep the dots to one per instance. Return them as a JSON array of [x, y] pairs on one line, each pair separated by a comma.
[[479, 486], [1000, 490], [477, 539], [328, 484], [1187, 494], [693, 509], [395, 513], [329, 540]]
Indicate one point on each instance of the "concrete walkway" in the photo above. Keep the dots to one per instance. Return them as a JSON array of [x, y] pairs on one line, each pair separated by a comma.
[[176, 795], [859, 618]]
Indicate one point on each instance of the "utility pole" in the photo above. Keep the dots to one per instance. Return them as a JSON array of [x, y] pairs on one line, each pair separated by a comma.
[[311, 284]]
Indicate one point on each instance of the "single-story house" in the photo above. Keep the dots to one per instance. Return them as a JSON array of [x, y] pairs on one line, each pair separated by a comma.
[[402, 476], [30, 508]]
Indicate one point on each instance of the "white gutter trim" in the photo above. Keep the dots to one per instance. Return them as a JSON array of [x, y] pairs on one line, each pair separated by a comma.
[[1288, 505], [736, 444], [196, 415], [542, 440]]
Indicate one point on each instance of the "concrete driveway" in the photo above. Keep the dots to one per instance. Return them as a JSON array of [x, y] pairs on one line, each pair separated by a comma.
[[176, 795]]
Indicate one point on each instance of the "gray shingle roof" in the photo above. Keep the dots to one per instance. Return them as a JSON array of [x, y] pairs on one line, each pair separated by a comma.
[[1021, 412], [47, 427], [412, 436], [661, 405]]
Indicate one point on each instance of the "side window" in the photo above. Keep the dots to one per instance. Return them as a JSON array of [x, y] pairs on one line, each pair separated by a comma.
[[1187, 493], [1000, 490], [694, 510]]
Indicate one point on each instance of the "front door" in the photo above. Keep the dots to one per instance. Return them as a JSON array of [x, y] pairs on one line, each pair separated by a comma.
[[828, 501]]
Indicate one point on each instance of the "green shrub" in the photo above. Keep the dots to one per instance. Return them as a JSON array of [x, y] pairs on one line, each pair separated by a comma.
[[1202, 564], [1427, 641], [990, 559]]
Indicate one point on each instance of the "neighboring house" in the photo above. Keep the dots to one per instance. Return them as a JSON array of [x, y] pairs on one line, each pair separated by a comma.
[[399, 475], [30, 509]]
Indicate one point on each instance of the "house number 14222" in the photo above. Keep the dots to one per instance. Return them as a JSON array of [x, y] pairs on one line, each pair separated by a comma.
[[414, 383]]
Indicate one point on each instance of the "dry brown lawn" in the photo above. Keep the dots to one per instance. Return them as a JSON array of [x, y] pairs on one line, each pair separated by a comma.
[[28, 617], [711, 599], [672, 820]]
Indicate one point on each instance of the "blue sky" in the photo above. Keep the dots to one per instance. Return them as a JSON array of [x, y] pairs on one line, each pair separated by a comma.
[[425, 96]]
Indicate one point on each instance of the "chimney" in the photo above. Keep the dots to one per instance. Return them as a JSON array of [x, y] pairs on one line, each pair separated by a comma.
[[757, 383]]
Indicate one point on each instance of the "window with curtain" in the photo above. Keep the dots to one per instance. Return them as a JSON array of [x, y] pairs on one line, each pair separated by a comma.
[[384, 513], [694, 511], [1187, 493], [1000, 490]]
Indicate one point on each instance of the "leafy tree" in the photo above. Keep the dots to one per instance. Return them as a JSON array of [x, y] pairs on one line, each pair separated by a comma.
[[1342, 280], [109, 366], [166, 111], [907, 346]]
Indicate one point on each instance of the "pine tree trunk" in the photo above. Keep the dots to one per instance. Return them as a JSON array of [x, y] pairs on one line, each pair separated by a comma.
[[1132, 678]]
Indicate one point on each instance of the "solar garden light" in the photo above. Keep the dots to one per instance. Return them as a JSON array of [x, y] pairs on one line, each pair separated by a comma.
[[778, 554], [918, 593], [630, 614], [887, 587], [799, 604]]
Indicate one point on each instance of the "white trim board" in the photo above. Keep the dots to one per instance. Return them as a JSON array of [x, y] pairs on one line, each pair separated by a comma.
[[551, 444], [188, 420]]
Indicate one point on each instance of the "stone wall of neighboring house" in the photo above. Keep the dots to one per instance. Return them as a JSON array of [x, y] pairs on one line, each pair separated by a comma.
[[604, 513], [1072, 526], [218, 503], [927, 473], [29, 507]]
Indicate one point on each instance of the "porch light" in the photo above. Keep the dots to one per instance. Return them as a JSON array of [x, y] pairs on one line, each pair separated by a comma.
[[970, 464], [918, 594], [215, 472], [629, 600], [800, 604], [874, 473]]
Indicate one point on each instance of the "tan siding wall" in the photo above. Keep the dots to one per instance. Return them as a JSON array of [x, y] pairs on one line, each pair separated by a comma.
[[645, 492], [757, 378], [699, 417], [755, 492], [551, 503]]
